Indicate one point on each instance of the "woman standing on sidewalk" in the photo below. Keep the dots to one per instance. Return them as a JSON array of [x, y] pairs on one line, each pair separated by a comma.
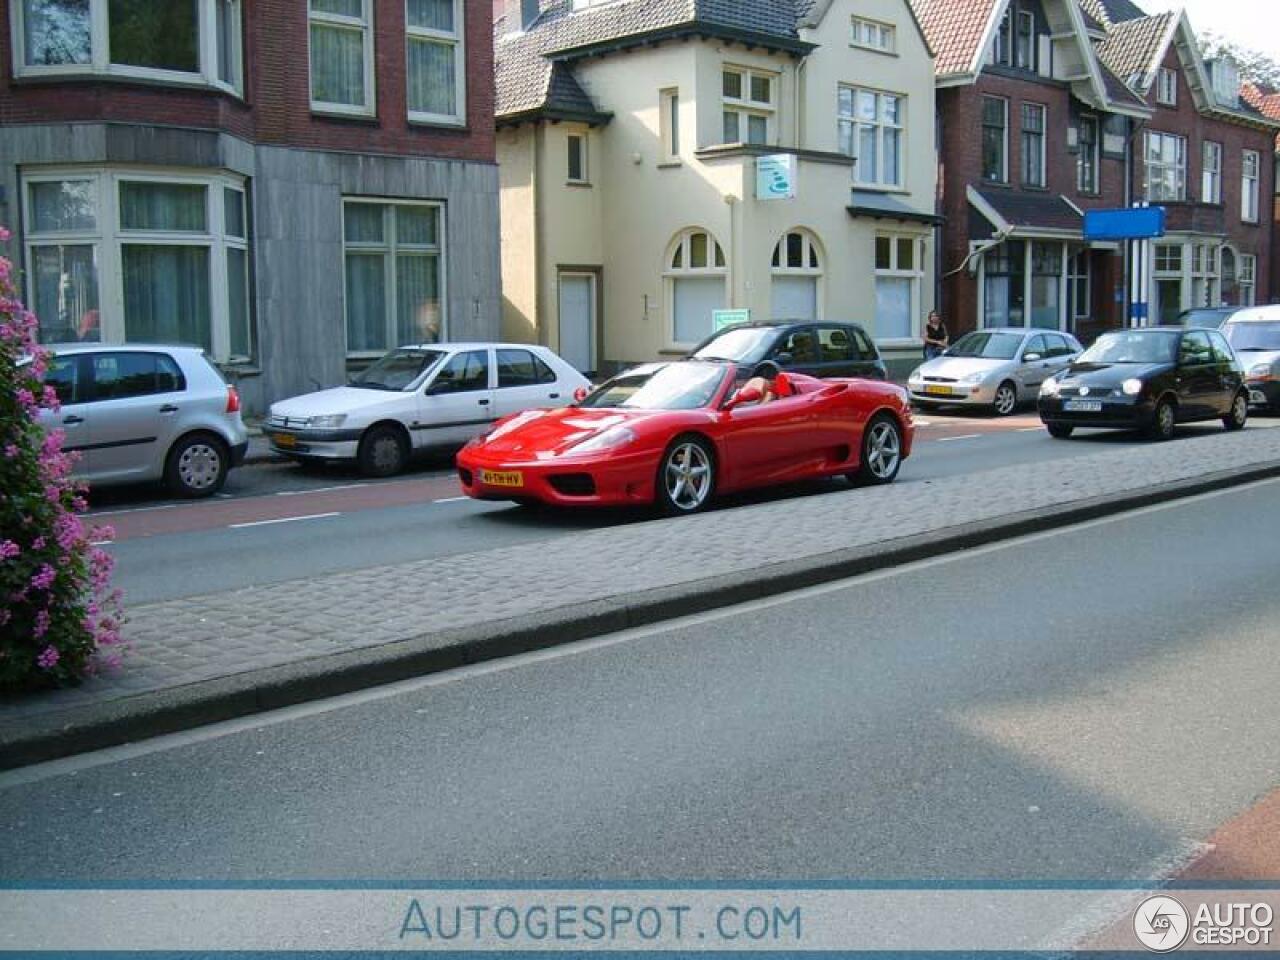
[[936, 338]]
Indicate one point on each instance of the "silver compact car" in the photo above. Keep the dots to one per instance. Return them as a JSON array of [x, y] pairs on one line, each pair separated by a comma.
[[420, 397], [997, 369], [1254, 334], [137, 413]]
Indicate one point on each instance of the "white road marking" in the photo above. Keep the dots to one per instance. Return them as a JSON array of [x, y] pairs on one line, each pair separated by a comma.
[[1031, 429], [451, 500], [302, 493], [101, 543], [267, 523], [967, 436], [85, 761], [924, 423]]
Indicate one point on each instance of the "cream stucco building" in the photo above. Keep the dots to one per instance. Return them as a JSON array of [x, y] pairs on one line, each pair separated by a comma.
[[633, 141]]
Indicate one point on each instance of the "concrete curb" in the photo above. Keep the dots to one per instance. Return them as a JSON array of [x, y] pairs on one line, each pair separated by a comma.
[[82, 729]]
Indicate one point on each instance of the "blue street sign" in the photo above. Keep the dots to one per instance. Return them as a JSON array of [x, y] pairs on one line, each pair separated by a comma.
[[1138, 223]]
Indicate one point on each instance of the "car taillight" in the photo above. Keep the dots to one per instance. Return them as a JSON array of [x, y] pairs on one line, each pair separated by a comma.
[[233, 400]]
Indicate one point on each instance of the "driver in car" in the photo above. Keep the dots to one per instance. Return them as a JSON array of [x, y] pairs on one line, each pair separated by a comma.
[[779, 386]]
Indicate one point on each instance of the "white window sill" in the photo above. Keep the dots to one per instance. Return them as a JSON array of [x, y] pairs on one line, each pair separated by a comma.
[[343, 111], [437, 120], [176, 78]]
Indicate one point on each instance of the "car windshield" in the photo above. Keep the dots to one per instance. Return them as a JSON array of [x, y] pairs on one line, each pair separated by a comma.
[[676, 386], [1203, 318], [398, 370], [741, 345], [987, 346], [1134, 347], [1254, 337]]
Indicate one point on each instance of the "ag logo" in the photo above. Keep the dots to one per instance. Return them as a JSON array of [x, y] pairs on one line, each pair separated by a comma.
[[1161, 924]]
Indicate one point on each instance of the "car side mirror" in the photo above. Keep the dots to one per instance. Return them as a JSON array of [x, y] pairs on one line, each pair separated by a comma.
[[745, 395], [784, 359], [580, 394], [1031, 357]]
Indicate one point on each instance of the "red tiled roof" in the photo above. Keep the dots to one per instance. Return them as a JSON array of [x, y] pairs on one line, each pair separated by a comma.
[[954, 29]]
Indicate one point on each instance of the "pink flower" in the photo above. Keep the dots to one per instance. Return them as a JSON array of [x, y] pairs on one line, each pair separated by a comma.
[[25, 397], [49, 398], [41, 626], [38, 543], [9, 549], [48, 658], [45, 578]]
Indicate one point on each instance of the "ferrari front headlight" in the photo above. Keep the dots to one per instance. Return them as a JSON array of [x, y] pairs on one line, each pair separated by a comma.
[[606, 440]]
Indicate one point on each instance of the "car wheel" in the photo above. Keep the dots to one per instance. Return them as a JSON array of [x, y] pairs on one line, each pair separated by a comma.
[[1061, 431], [686, 477], [1164, 421], [383, 452], [1239, 415], [881, 451], [1006, 399], [197, 466]]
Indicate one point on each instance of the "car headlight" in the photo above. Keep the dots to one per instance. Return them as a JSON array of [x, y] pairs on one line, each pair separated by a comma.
[[1132, 387], [917, 373], [1050, 388], [328, 422], [1261, 371], [974, 377], [606, 440]]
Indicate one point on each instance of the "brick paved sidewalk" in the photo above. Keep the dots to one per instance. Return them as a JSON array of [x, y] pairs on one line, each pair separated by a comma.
[[187, 641]]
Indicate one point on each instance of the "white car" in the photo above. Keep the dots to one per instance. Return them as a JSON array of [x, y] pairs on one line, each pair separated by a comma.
[[418, 398]]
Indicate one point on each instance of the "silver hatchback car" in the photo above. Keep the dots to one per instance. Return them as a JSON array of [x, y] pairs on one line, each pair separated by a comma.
[[137, 413]]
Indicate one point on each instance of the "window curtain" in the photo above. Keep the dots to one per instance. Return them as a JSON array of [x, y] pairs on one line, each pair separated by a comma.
[[64, 284], [366, 301], [337, 65], [238, 301], [432, 84], [178, 207], [695, 299], [166, 294], [56, 32], [893, 308], [417, 299], [431, 14]]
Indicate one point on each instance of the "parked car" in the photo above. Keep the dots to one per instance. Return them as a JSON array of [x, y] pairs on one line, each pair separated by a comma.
[[997, 368], [676, 434], [418, 398], [1149, 379], [813, 349], [1254, 334], [137, 413], [1211, 318]]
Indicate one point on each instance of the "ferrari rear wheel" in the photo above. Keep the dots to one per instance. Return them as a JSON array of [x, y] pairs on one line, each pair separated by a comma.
[[687, 476], [881, 451]]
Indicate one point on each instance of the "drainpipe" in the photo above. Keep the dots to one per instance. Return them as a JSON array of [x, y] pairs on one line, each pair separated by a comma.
[[541, 324]]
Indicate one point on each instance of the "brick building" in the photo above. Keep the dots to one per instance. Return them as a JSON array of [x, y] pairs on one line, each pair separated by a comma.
[[295, 186]]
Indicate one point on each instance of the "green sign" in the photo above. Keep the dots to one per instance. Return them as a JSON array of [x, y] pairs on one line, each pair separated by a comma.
[[727, 318]]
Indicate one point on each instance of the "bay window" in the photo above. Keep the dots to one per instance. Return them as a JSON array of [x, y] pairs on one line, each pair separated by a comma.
[[435, 60], [128, 255], [748, 105], [177, 41], [1166, 165], [1251, 166], [394, 274], [870, 126], [1033, 149], [1211, 173], [341, 46]]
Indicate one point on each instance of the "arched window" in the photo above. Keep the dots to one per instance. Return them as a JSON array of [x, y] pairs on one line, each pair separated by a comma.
[[698, 276], [797, 270]]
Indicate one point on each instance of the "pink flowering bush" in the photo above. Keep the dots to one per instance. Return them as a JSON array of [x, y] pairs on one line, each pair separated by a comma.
[[59, 620]]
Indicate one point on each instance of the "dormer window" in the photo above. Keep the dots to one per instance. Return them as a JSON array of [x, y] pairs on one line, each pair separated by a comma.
[[873, 35], [1014, 44]]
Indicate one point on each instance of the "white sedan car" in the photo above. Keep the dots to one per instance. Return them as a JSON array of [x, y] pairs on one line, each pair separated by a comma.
[[419, 398]]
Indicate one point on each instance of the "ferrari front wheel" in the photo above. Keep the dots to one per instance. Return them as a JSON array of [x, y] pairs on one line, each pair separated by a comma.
[[686, 477], [881, 451]]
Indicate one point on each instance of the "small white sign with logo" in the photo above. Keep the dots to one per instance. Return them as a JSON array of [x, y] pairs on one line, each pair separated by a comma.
[[776, 177]]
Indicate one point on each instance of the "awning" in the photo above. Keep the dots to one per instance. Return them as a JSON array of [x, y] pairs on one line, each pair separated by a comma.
[[1017, 213], [881, 206]]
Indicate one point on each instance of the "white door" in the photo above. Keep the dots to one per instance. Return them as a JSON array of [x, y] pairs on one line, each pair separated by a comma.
[[795, 298], [578, 320]]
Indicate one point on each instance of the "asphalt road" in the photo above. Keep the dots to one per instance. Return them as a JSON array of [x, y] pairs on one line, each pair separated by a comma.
[[1082, 705], [279, 522]]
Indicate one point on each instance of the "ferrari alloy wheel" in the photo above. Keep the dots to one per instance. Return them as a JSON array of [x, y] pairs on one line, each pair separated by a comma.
[[1239, 415], [687, 476], [881, 451], [1006, 399]]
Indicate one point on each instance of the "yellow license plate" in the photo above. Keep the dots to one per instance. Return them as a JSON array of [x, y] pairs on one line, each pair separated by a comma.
[[501, 478], [284, 439], [938, 391]]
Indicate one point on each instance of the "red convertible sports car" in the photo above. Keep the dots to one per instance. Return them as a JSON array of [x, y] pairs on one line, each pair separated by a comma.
[[678, 433]]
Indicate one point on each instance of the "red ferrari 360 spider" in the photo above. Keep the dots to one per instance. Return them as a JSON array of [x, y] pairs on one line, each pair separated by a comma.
[[678, 433]]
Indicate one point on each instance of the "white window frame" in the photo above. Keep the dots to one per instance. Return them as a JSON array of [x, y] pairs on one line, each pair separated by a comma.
[[1004, 159], [1211, 172], [916, 276], [1179, 166], [875, 35], [1247, 278], [745, 106], [583, 152], [810, 249], [683, 242], [881, 124], [365, 25], [388, 248], [1092, 153], [1166, 87], [1043, 133], [669, 123], [456, 39], [100, 50], [1023, 17], [1080, 272], [110, 237], [1250, 185]]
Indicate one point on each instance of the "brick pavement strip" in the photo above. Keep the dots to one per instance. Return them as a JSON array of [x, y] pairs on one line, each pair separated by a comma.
[[207, 658]]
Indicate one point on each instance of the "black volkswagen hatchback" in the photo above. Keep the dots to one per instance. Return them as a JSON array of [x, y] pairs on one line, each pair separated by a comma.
[[816, 349], [1150, 379]]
